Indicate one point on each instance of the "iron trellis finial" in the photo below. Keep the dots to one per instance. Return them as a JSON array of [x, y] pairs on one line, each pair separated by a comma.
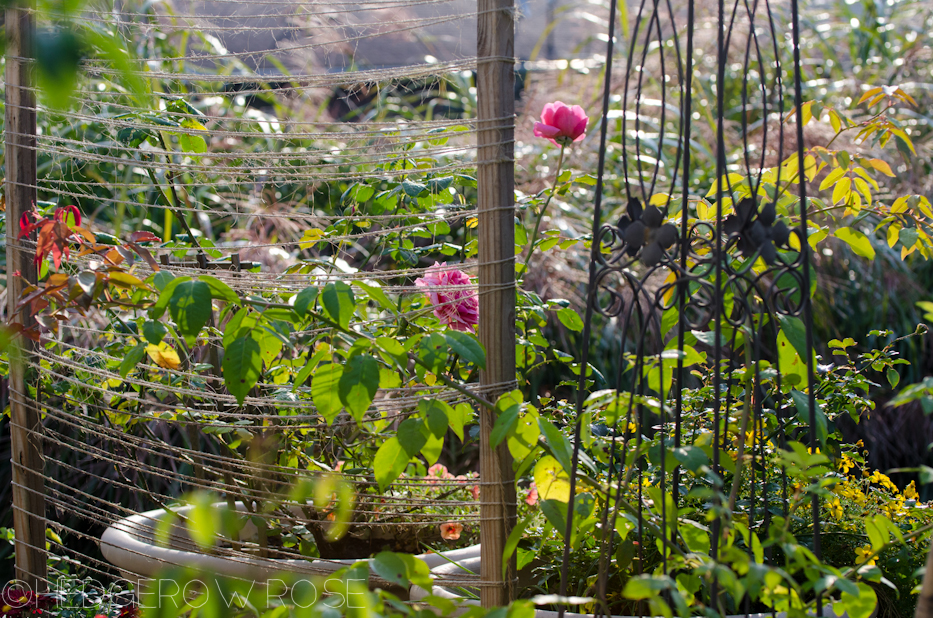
[[644, 228], [757, 231]]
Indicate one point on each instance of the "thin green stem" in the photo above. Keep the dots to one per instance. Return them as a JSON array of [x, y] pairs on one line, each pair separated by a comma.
[[534, 234]]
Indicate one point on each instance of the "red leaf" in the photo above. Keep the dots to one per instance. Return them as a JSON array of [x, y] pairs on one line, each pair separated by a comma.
[[143, 237]]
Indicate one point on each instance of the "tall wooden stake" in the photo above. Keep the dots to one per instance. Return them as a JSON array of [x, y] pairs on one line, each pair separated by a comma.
[[20, 195], [495, 93]]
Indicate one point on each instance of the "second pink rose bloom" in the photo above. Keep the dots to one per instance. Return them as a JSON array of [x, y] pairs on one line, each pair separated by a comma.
[[562, 124], [457, 308]]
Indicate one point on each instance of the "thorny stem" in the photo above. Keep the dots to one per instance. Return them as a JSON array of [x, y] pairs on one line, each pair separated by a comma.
[[534, 234]]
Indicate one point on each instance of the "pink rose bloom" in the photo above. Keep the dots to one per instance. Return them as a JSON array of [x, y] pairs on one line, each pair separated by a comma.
[[458, 309], [475, 492], [532, 498], [562, 124]]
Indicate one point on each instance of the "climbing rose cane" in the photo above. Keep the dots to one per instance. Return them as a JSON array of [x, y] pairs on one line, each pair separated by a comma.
[[562, 124], [458, 309]]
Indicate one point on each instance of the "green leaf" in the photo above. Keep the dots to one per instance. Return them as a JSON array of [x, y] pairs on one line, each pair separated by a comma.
[[339, 302], [412, 189], [432, 350], [796, 333], [893, 376], [304, 300], [158, 309], [556, 514], [692, 457], [324, 391], [376, 293], [162, 279], [506, 421], [203, 520], [270, 345], [154, 331], [192, 143], [390, 461], [242, 322], [511, 544], [459, 416], [570, 318], [190, 306], [401, 569], [802, 400], [560, 445], [358, 384], [643, 587], [861, 606], [467, 346], [859, 243], [437, 414], [793, 368], [432, 449], [412, 435], [132, 359], [220, 290], [242, 366]]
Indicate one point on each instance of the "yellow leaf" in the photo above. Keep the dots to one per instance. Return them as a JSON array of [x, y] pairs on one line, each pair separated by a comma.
[[552, 481], [924, 205], [862, 187], [893, 234], [899, 206], [841, 190], [807, 114], [659, 199], [126, 280], [163, 355], [835, 121], [881, 166], [869, 94], [810, 169], [832, 178], [727, 183], [310, 237], [905, 97], [901, 134]]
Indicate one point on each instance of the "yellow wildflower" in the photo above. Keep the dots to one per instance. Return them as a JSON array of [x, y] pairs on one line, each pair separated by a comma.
[[910, 492], [846, 464], [835, 509], [862, 555]]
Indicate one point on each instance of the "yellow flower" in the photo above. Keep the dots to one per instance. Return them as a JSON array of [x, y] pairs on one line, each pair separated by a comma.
[[846, 464], [862, 555], [910, 492], [835, 509]]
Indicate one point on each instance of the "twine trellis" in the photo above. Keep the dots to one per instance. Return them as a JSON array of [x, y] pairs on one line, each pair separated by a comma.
[[214, 130]]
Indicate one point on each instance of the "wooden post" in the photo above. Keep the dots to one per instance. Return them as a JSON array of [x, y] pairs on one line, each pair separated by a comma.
[[495, 93], [20, 195]]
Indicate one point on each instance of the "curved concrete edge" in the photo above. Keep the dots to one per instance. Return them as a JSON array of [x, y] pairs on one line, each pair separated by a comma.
[[129, 545]]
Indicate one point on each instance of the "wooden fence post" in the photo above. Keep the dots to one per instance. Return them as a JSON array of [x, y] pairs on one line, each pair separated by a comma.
[[495, 93], [20, 195]]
